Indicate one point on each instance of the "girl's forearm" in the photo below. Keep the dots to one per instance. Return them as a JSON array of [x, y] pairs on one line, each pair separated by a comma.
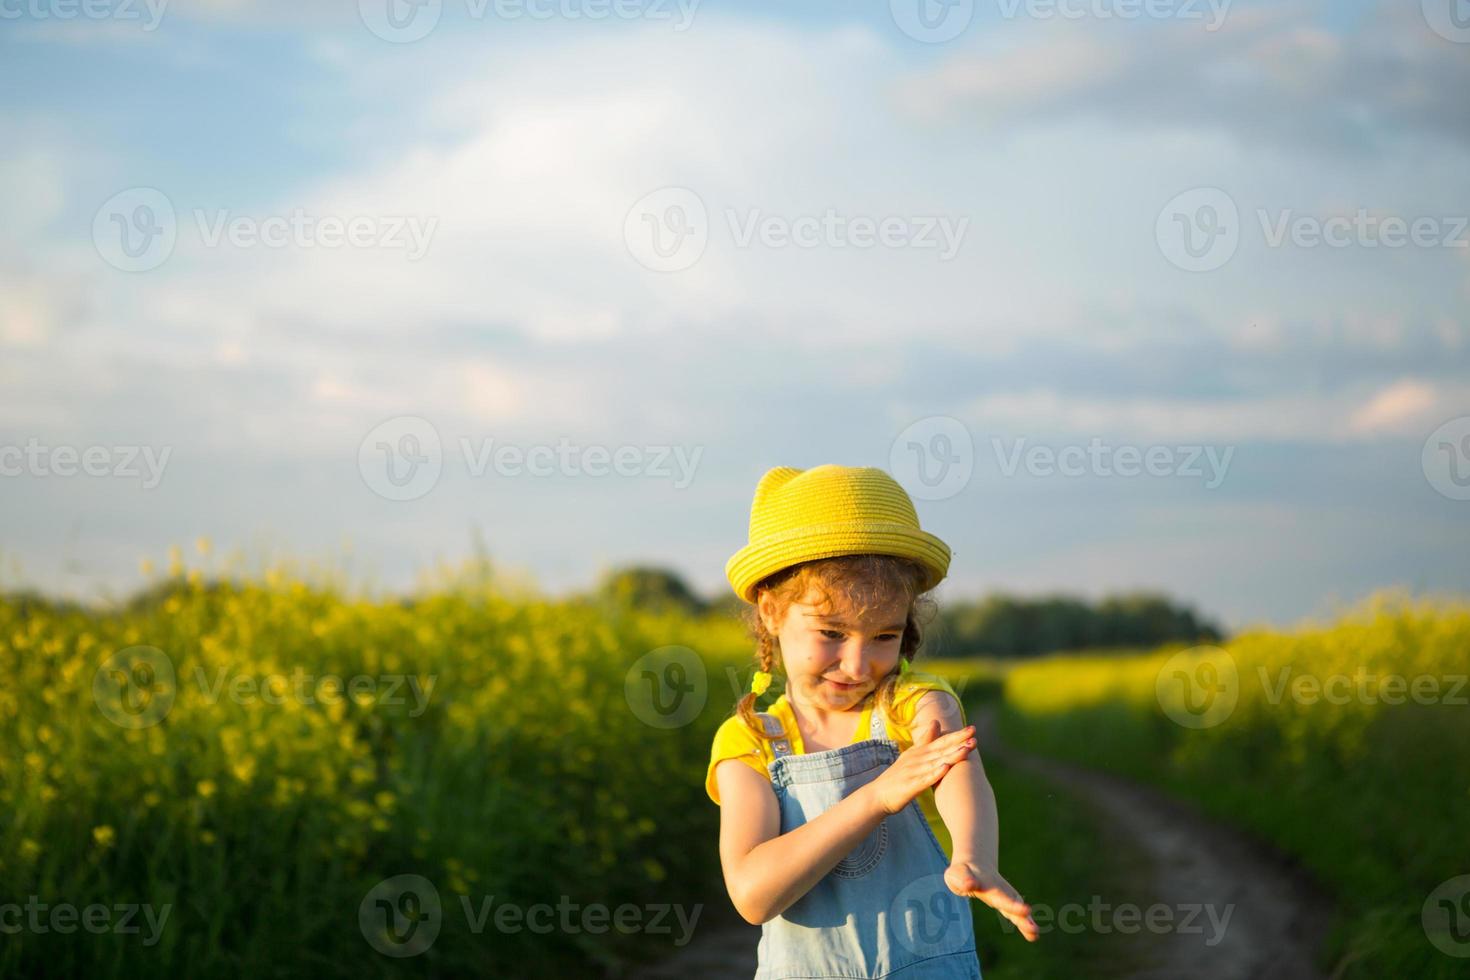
[[967, 804], [777, 872]]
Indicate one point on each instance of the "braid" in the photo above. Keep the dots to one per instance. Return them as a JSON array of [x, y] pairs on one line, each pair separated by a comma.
[[766, 657]]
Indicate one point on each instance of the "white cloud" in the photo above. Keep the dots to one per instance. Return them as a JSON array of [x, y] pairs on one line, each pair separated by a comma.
[[995, 83], [529, 320], [26, 315], [1452, 333], [33, 178], [1269, 75], [1262, 332], [494, 393], [551, 146], [38, 307], [528, 204], [1404, 408], [272, 12]]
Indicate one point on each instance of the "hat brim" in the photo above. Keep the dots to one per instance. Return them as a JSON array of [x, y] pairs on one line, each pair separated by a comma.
[[756, 560]]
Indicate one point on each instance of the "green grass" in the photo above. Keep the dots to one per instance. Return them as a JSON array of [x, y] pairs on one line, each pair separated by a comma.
[[1055, 851], [262, 825], [1372, 798], [530, 777]]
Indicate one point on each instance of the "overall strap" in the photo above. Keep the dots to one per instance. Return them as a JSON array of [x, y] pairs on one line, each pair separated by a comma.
[[782, 745]]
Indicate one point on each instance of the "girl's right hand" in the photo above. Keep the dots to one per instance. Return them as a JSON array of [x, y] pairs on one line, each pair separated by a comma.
[[922, 765]]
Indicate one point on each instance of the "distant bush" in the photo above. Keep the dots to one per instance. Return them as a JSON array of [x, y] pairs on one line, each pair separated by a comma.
[[653, 589], [1006, 626]]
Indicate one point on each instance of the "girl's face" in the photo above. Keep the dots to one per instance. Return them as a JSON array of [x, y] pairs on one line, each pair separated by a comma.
[[833, 660]]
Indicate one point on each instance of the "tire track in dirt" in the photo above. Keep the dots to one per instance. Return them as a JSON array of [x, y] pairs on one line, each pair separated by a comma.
[[1278, 917]]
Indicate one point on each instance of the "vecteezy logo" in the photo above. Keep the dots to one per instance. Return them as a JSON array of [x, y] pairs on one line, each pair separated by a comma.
[[401, 916], [135, 230], [667, 687], [1446, 458], [401, 459], [667, 231], [927, 918], [933, 458], [1450, 19], [1199, 230], [1198, 687], [135, 687], [1446, 916], [932, 21], [400, 21]]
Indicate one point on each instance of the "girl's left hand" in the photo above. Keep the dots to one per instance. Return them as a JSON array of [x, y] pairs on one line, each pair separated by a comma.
[[970, 880]]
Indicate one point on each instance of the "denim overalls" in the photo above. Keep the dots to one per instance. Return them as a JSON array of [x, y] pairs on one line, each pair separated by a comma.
[[884, 910]]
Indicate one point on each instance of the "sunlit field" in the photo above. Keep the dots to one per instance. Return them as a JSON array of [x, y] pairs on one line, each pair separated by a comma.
[[266, 776], [234, 768], [1346, 745]]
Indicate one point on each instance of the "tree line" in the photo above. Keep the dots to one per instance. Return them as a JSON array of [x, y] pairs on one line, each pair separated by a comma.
[[997, 625]]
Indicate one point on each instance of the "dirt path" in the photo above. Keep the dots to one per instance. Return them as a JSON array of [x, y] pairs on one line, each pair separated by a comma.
[[722, 948], [1277, 918]]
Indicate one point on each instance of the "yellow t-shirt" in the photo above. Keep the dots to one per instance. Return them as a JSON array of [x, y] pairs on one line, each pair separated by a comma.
[[736, 741]]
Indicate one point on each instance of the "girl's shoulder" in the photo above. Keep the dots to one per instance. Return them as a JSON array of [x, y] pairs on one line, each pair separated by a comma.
[[911, 686], [909, 693], [734, 732], [736, 740], [734, 736]]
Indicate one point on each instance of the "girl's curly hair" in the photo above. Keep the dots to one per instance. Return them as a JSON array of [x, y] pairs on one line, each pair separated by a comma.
[[854, 584]]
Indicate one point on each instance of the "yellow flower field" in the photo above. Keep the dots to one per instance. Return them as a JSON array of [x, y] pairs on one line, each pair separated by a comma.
[[256, 757], [1345, 744]]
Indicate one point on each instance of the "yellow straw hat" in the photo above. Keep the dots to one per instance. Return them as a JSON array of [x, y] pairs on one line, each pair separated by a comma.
[[826, 511]]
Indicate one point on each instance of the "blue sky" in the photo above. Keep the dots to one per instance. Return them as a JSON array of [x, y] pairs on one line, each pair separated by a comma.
[[1065, 154]]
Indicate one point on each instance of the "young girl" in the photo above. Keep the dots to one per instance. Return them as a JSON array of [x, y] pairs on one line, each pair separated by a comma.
[[826, 798]]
